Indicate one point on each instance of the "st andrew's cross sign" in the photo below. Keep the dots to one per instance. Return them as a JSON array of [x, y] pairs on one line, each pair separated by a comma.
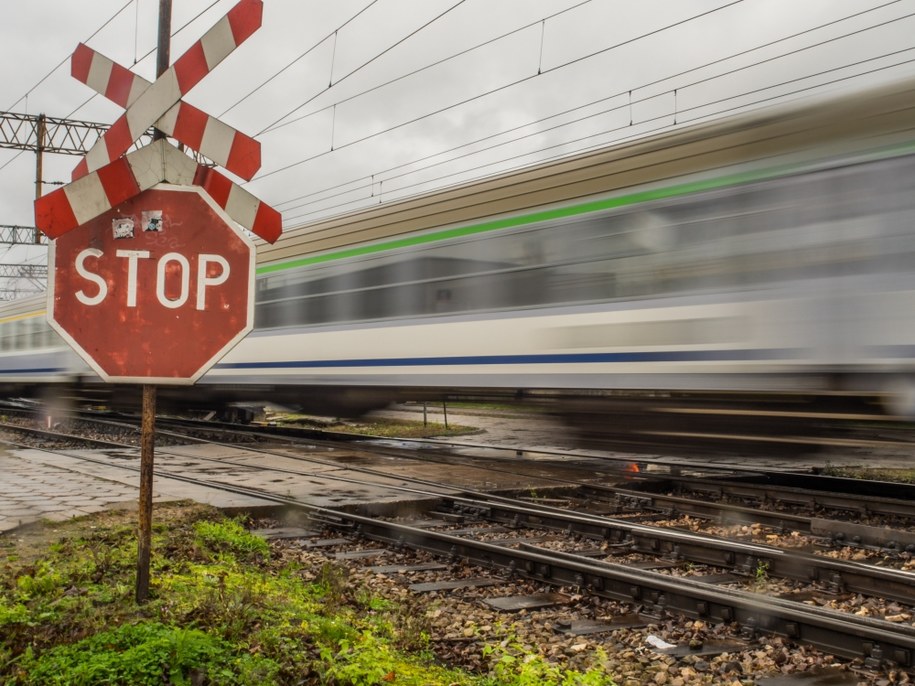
[[151, 279]]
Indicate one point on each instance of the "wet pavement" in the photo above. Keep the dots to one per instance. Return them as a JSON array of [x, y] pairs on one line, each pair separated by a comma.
[[40, 485], [36, 484]]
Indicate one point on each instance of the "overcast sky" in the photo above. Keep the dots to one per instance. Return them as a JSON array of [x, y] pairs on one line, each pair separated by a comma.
[[343, 118]]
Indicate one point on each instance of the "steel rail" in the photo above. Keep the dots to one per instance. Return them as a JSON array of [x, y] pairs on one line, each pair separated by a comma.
[[838, 532], [879, 642], [741, 557]]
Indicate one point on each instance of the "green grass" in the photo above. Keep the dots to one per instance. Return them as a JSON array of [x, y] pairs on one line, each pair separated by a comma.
[[395, 428], [472, 406], [384, 428], [223, 611]]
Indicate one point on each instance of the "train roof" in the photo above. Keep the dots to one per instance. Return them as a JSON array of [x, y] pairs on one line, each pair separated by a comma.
[[23, 307], [846, 123]]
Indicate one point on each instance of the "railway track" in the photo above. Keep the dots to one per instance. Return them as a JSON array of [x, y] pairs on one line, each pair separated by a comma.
[[621, 543]]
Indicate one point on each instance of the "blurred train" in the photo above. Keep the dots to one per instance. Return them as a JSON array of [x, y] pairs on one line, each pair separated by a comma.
[[770, 255]]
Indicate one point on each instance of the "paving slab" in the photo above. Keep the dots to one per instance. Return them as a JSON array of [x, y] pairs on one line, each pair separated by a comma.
[[37, 484]]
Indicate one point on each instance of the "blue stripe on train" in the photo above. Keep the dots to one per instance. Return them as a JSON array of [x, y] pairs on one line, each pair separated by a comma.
[[35, 370], [560, 358]]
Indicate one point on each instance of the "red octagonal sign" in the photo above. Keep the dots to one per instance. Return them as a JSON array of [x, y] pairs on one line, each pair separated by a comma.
[[156, 290]]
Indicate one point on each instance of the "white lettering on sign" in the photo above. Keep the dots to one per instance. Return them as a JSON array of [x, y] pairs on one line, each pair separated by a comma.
[[133, 258], [203, 280], [185, 280], [89, 276]]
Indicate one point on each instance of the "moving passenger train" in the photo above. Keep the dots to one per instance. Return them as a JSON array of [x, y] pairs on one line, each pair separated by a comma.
[[771, 255]]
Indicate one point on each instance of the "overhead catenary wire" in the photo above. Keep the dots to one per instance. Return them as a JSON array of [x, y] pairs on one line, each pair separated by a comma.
[[431, 65], [299, 57], [95, 95], [642, 132], [376, 174], [498, 88], [96, 32], [54, 69], [275, 126], [66, 59], [620, 94], [367, 63], [149, 52], [389, 179]]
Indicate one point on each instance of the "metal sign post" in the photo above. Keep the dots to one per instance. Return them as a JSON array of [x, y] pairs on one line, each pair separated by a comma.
[[148, 416], [144, 529]]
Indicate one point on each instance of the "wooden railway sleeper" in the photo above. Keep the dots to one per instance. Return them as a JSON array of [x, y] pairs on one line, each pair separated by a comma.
[[808, 624]]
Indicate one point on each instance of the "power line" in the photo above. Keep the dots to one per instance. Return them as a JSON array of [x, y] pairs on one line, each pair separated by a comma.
[[91, 36], [79, 141], [147, 53], [679, 87], [431, 65], [592, 103], [365, 64], [65, 59], [665, 116], [495, 90], [304, 54]]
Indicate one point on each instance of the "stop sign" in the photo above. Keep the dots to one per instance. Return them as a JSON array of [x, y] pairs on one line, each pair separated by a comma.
[[155, 290]]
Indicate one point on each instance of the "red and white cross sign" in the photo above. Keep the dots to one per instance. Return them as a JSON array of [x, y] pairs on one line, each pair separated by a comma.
[[158, 98], [105, 177], [218, 141], [80, 201]]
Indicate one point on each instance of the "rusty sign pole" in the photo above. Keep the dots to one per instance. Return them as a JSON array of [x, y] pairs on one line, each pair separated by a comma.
[[147, 448], [148, 423]]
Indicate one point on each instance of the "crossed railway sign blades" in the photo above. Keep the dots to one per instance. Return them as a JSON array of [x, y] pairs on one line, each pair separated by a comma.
[[86, 198], [212, 138], [146, 106], [105, 177]]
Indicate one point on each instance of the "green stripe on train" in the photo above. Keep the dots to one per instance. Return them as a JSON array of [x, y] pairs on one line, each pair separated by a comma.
[[561, 212]]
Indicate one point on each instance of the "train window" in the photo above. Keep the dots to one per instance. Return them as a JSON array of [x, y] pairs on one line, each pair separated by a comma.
[[762, 235], [37, 337], [402, 295], [10, 334], [24, 341], [50, 336], [27, 334], [24, 334]]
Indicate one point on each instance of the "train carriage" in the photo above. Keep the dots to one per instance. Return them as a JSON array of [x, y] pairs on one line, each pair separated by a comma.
[[766, 254]]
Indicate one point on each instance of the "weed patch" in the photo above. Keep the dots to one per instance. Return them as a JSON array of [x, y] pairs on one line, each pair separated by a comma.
[[384, 428], [223, 611]]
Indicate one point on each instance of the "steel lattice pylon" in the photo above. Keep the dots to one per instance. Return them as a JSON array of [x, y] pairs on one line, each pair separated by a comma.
[[39, 132]]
